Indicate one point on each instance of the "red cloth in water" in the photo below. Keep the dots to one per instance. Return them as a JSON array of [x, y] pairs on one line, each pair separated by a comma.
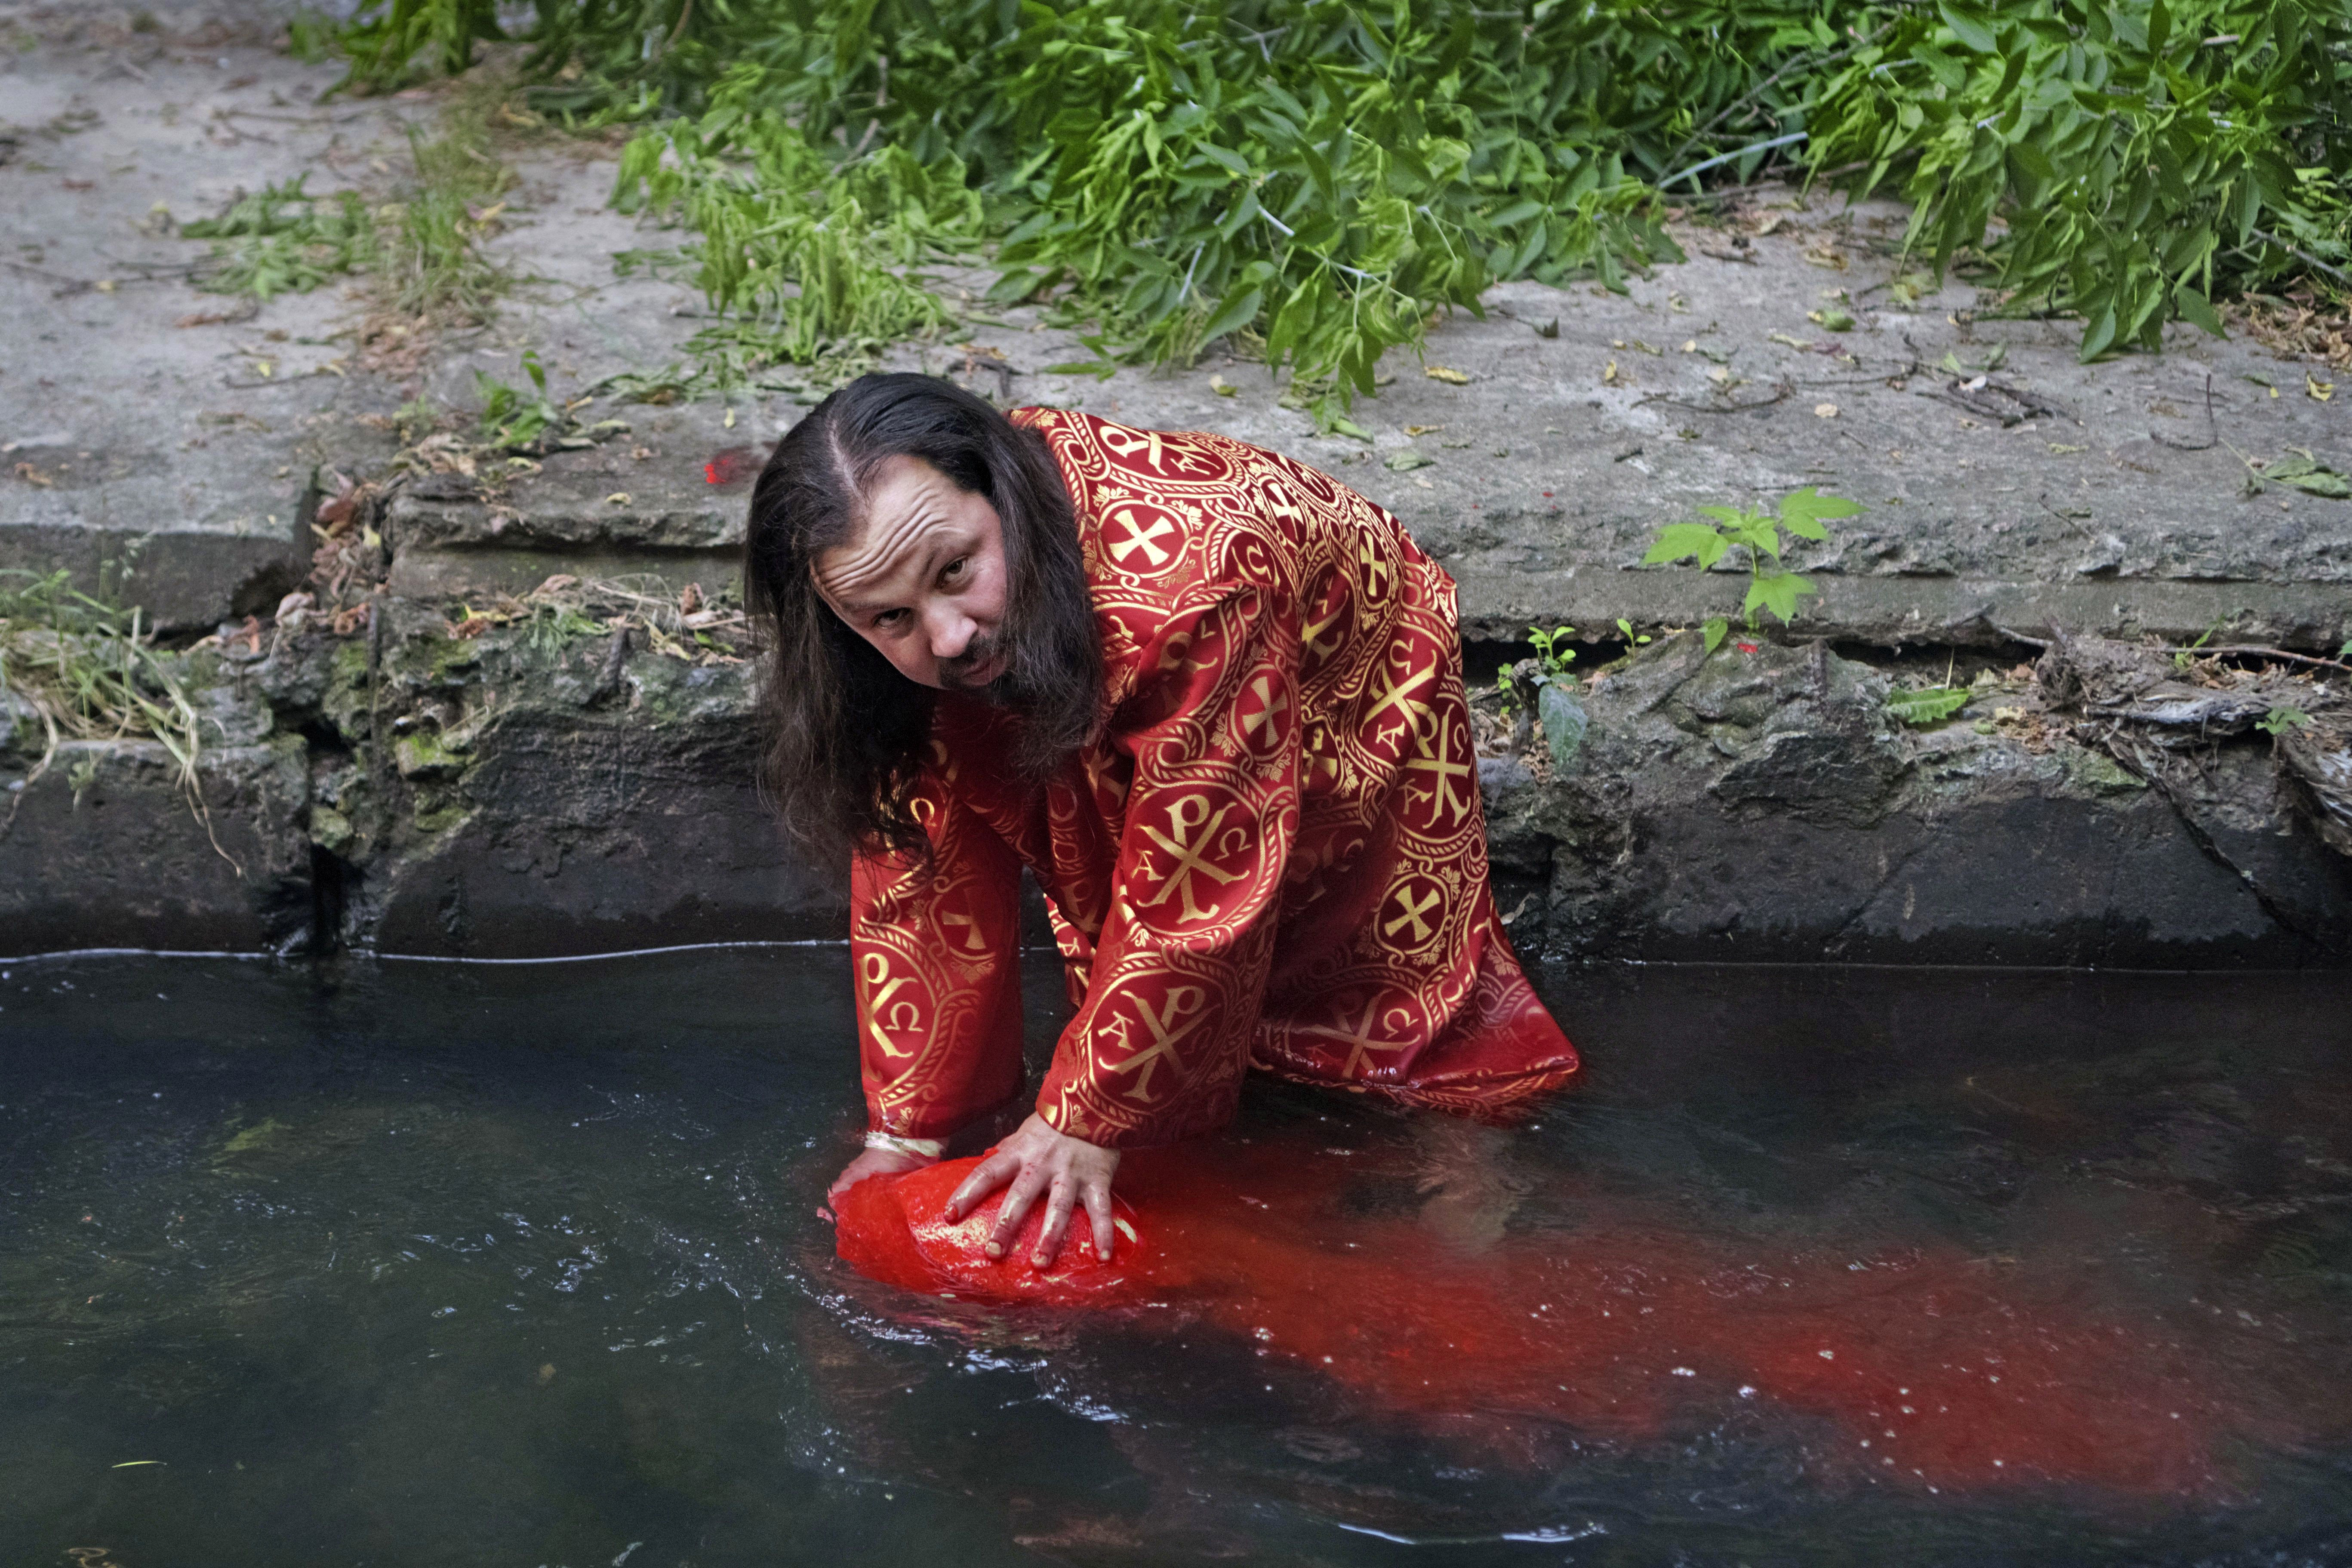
[[896, 1229], [1627, 1327]]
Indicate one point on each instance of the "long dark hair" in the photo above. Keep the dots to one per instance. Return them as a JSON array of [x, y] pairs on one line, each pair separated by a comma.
[[846, 732]]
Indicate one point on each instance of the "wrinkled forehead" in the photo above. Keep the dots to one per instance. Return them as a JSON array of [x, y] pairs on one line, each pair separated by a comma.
[[903, 515]]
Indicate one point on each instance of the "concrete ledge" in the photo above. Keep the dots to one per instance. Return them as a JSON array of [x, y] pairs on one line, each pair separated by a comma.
[[183, 580], [1765, 807], [482, 798], [132, 866]]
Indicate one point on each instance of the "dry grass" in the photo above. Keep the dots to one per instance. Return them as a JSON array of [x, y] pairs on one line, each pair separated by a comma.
[[88, 670], [2302, 324]]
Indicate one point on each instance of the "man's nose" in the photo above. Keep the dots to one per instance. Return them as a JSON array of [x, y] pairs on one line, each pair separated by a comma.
[[951, 631]]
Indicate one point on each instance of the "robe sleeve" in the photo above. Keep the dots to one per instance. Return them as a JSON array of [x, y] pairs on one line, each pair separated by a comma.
[[1161, 1044], [938, 972]]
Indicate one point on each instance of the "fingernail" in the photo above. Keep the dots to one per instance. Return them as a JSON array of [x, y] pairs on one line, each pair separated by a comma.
[[994, 1250]]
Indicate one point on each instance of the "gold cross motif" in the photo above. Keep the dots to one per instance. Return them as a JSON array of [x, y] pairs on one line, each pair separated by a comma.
[[1399, 696], [1448, 778], [1189, 813], [1322, 764], [1272, 703], [1359, 1038], [971, 940], [1422, 929], [1139, 537], [1183, 1002]]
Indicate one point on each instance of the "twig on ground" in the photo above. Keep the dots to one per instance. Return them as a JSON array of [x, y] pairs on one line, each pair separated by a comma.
[[2213, 427]]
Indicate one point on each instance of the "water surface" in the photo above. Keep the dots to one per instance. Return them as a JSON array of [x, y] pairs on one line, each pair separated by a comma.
[[409, 1263]]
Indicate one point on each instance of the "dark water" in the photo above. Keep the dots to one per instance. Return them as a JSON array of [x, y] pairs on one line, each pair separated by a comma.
[[419, 1264]]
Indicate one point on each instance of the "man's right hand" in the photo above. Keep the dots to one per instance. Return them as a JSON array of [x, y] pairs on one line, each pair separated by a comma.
[[872, 1162]]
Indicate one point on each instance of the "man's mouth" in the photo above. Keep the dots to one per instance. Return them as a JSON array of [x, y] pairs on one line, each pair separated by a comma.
[[971, 675]]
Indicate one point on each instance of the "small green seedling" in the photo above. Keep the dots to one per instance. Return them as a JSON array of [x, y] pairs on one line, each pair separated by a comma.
[[1553, 655], [1770, 587], [511, 418], [1626, 628], [2183, 658], [2282, 719], [1928, 705]]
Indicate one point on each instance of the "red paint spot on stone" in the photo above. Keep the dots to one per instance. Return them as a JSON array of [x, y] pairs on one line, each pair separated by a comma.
[[732, 465]]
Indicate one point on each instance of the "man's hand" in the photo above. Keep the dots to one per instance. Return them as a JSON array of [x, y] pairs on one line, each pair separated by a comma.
[[1036, 1159], [872, 1162]]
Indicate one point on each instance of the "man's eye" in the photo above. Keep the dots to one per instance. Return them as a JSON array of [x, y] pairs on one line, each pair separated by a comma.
[[889, 618], [956, 567]]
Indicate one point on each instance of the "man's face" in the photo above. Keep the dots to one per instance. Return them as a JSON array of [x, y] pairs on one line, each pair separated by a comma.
[[924, 579]]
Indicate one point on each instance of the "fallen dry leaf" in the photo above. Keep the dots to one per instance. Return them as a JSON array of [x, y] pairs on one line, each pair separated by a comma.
[[1446, 373], [1825, 411]]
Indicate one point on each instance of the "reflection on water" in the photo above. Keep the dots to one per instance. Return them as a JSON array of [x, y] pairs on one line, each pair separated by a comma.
[[420, 1264]]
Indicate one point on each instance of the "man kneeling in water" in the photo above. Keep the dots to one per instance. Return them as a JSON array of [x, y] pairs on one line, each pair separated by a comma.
[[1210, 698]]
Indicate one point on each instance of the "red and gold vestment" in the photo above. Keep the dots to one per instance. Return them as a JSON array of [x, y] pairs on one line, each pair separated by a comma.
[[1272, 856]]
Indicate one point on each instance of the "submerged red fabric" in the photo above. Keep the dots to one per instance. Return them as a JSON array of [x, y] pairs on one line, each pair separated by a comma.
[[1917, 1370], [1275, 855], [896, 1229]]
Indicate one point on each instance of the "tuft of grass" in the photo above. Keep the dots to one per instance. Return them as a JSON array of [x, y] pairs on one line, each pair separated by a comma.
[[433, 261], [88, 669], [424, 251]]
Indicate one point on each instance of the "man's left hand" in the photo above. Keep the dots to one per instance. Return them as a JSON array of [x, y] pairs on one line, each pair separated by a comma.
[[1036, 1159]]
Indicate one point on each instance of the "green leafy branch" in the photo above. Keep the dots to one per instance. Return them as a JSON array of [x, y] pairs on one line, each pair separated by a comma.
[[1770, 586], [281, 239], [2145, 158]]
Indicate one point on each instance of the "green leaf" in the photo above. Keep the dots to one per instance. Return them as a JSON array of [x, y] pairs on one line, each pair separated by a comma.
[[1931, 705], [1234, 313], [1777, 591], [2309, 476], [1802, 511], [2195, 309], [2098, 336], [1101, 369], [1972, 30], [1677, 540], [1714, 631], [1404, 460]]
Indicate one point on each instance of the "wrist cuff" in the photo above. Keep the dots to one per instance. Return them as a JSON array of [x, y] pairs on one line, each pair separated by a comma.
[[913, 1148]]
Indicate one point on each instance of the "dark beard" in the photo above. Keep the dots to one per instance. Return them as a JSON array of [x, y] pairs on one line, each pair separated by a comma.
[[1050, 682], [982, 650]]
